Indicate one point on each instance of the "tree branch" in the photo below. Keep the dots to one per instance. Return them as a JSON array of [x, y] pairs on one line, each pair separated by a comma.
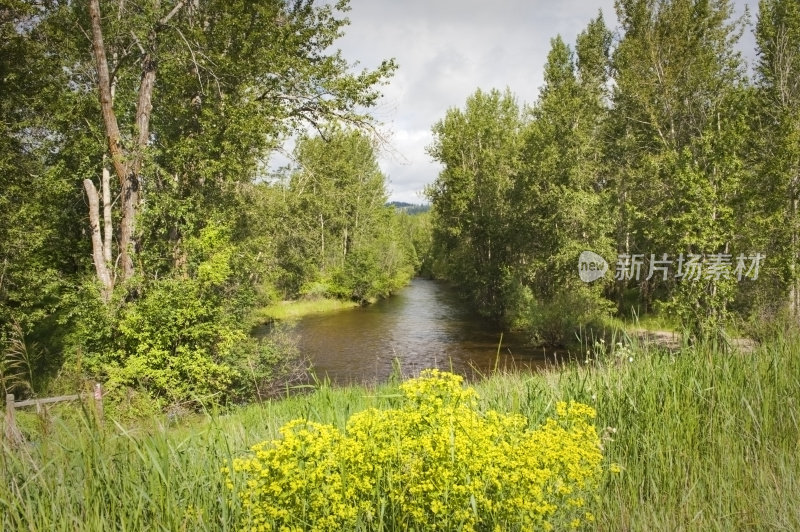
[[166, 19]]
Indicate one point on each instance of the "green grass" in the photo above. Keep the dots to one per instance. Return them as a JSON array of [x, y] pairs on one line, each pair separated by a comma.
[[292, 310], [651, 322], [706, 441]]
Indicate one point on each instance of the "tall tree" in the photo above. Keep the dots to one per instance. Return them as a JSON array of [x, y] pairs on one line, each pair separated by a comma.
[[156, 115], [677, 121], [479, 148], [561, 192], [342, 187], [41, 245], [775, 188], [560, 199], [192, 96], [337, 203]]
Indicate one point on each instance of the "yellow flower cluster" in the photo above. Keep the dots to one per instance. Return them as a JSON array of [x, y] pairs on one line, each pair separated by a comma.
[[434, 463]]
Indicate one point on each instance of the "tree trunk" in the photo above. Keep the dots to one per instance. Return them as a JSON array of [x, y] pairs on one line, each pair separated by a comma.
[[127, 165], [108, 229], [118, 159], [322, 241], [98, 251]]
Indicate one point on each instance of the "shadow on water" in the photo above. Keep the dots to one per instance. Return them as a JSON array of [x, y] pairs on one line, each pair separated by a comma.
[[424, 325]]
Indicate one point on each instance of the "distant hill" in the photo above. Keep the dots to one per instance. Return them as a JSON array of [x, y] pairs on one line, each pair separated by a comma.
[[409, 208]]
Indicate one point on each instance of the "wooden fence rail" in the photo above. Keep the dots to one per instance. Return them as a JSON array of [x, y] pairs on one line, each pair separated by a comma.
[[13, 434]]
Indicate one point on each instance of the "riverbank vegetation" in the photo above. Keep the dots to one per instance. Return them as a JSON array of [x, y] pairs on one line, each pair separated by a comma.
[[143, 230], [704, 439], [294, 309], [659, 152]]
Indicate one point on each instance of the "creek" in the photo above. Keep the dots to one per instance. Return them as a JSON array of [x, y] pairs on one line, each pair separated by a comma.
[[424, 325]]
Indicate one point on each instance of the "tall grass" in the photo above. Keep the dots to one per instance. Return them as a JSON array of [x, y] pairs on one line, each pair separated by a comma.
[[706, 440]]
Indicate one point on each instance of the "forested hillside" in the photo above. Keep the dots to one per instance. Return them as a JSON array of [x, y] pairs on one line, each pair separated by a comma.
[[652, 148]]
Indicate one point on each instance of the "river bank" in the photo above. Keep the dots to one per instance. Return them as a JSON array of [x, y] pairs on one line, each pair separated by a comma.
[[300, 308], [705, 441]]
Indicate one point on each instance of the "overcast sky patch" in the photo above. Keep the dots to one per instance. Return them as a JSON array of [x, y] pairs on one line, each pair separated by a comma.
[[448, 49]]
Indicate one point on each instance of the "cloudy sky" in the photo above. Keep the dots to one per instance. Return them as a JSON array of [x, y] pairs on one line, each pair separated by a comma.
[[446, 49]]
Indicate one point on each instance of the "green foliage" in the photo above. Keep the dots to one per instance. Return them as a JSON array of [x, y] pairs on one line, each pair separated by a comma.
[[519, 200], [40, 208], [435, 463], [651, 144], [471, 210], [679, 143], [562, 203], [185, 338], [340, 239], [268, 367], [702, 418], [566, 314], [18, 365], [773, 188], [174, 342], [232, 81], [416, 229]]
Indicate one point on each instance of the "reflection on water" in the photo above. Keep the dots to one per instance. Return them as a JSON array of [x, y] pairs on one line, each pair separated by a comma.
[[425, 325]]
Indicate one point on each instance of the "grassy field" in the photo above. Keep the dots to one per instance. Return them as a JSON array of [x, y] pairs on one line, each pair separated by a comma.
[[706, 441]]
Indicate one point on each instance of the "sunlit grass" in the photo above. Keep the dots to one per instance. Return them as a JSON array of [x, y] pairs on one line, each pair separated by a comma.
[[292, 310], [706, 441]]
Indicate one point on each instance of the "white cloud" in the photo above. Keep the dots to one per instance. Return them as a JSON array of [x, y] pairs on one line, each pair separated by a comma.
[[446, 50]]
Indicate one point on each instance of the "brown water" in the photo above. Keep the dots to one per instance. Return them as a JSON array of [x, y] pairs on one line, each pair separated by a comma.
[[424, 325]]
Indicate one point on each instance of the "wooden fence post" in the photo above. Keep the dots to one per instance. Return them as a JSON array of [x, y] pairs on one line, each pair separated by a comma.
[[13, 435], [98, 401]]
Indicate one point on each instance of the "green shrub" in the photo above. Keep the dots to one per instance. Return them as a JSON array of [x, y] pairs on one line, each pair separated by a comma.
[[176, 344], [267, 366], [434, 463], [557, 321], [180, 339]]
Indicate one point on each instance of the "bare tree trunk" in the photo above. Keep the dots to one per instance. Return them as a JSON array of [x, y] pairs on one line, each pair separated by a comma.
[[108, 229], [129, 190], [98, 251], [344, 246], [128, 169]]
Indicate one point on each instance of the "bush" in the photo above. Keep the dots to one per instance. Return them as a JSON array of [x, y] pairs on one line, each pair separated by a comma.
[[434, 463], [177, 344], [181, 339], [557, 321], [268, 366]]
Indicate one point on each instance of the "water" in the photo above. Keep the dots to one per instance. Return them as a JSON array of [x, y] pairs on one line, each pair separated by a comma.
[[425, 325]]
